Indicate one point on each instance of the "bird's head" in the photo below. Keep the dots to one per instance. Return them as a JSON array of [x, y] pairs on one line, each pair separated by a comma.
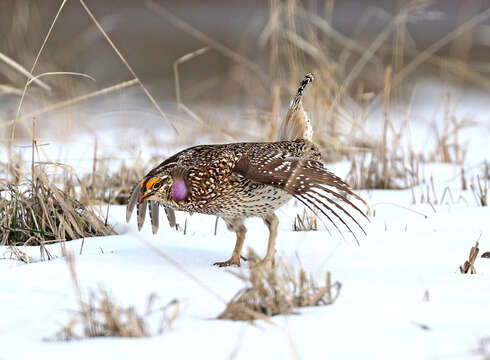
[[164, 188]]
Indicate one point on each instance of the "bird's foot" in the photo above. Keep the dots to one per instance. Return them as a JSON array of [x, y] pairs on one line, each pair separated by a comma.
[[234, 260], [227, 263]]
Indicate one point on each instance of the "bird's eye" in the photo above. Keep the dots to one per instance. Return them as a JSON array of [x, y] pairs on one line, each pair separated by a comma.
[[157, 185]]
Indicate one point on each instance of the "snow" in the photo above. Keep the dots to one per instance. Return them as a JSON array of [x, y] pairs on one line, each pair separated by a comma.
[[402, 294]]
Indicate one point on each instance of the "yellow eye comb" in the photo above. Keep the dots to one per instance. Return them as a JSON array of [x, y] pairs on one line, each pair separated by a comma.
[[150, 183]]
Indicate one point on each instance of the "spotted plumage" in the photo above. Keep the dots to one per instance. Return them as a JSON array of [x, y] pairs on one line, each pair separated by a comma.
[[240, 180]]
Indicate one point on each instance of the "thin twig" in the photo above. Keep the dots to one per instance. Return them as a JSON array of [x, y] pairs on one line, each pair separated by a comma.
[[427, 53], [189, 29], [22, 70], [72, 101], [123, 59], [12, 133], [59, 73]]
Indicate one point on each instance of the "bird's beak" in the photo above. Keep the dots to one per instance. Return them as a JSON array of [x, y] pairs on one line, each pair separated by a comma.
[[143, 197]]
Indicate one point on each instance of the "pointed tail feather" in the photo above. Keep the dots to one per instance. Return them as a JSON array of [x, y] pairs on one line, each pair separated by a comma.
[[154, 216], [153, 207], [141, 213], [296, 125], [311, 183], [133, 200], [170, 216]]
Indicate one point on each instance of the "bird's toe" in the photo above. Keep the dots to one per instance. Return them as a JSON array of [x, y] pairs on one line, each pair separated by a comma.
[[229, 262]]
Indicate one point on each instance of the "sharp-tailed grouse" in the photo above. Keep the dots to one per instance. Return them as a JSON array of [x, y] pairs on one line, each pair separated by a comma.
[[240, 180]]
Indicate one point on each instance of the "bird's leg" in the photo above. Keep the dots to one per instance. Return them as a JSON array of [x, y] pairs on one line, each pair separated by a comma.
[[271, 221], [240, 230]]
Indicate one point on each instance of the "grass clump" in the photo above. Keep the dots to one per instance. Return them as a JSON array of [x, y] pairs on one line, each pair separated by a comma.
[[110, 188], [36, 212], [479, 188], [100, 316], [482, 350], [469, 265], [110, 181], [305, 222], [276, 290]]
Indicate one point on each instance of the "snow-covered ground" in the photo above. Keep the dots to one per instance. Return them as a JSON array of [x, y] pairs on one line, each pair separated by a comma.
[[402, 294]]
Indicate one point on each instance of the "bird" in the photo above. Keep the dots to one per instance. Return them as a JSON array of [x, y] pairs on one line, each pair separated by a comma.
[[237, 181]]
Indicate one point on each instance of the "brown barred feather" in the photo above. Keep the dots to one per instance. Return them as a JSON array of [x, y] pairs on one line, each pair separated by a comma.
[[133, 200], [141, 213], [301, 178], [154, 216], [296, 125], [338, 206], [321, 205], [170, 216]]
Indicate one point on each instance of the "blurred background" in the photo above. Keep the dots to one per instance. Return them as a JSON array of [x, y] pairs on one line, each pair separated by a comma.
[[380, 66]]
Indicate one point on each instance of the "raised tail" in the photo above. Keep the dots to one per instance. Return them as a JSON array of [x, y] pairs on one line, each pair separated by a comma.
[[296, 125]]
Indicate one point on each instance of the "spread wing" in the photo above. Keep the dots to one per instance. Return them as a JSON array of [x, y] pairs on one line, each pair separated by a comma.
[[141, 211], [308, 181]]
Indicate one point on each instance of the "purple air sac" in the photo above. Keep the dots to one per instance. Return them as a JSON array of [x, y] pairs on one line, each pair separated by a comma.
[[179, 190]]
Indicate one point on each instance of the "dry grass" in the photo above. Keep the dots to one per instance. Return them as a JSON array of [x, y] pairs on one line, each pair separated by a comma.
[[305, 222], [110, 181], [108, 185], [100, 316], [16, 171], [469, 265], [448, 147], [387, 164], [350, 85], [37, 212], [479, 188], [391, 164], [482, 350], [367, 172], [279, 290], [114, 188]]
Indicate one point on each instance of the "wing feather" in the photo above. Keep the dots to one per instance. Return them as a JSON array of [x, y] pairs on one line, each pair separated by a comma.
[[338, 206], [321, 206], [307, 180]]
